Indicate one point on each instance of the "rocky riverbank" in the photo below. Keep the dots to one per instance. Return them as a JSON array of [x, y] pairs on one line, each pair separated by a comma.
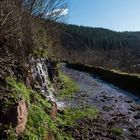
[[119, 110], [126, 81]]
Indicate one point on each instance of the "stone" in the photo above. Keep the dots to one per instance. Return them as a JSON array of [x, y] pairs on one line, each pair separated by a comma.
[[132, 109], [49, 136], [102, 100], [135, 107], [137, 116], [128, 101], [131, 130], [116, 100], [54, 110], [134, 136], [22, 113], [107, 108]]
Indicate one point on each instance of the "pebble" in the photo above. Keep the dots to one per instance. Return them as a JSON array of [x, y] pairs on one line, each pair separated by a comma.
[[137, 116], [128, 101]]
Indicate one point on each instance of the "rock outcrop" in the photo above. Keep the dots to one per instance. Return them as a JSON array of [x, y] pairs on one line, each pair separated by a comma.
[[54, 110], [22, 113]]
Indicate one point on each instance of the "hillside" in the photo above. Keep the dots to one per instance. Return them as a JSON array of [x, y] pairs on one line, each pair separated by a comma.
[[29, 76], [100, 47], [43, 99]]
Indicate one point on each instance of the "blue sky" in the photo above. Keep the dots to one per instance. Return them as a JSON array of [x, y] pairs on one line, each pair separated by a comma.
[[119, 15]]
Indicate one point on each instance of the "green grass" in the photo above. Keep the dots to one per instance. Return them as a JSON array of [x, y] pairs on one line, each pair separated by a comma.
[[18, 92], [19, 89], [11, 134], [117, 131], [69, 87], [72, 114], [37, 125], [40, 123]]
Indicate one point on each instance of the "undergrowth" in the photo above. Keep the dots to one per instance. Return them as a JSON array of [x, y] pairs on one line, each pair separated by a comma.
[[40, 123], [117, 131], [69, 87]]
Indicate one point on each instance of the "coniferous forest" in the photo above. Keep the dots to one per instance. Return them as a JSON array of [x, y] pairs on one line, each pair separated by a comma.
[[65, 82], [100, 47]]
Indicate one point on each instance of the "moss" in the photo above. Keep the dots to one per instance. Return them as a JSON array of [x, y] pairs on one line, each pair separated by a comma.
[[40, 122], [37, 123], [40, 53], [72, 114], [116, 131], [11, 134], [40, 101], [19, 90], [38, 119], [69, 87]]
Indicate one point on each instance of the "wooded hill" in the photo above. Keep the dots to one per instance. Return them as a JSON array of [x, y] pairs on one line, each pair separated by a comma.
[[100, 47]]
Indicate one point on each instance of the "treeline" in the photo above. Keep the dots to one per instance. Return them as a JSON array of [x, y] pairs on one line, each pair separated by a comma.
[[100, 47], [104, 38]]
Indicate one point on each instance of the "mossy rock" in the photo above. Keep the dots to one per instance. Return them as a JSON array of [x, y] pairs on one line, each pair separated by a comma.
[[116, 131]]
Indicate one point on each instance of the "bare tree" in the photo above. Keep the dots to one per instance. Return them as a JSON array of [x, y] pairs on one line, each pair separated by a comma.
[[10, 20], [48, 9], [22, 27], [19, 15]]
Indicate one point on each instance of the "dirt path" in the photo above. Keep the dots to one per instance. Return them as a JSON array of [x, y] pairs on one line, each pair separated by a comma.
[[117, 107]]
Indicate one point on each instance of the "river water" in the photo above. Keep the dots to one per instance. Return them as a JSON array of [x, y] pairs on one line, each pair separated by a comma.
[[108, 99], [93, 85]]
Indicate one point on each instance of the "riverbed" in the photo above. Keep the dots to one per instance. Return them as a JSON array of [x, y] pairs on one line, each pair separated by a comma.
[[116, 106]]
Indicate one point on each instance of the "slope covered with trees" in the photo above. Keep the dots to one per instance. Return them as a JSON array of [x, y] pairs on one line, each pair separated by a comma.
[[100, 47], [30, 78], [25, 65]]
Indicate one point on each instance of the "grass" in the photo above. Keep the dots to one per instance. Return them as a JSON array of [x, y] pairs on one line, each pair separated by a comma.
[[37, 123], [116, 131], [19, 89], [72, 114], [69, 87], [40, 123]]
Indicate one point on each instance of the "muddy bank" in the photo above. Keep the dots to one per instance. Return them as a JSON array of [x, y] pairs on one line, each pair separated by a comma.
[[123, 81]]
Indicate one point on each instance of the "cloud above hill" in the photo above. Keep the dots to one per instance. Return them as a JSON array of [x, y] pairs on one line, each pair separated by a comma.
[[58, 12]]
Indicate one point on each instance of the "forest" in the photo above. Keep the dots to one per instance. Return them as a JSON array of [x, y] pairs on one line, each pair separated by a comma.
[[44, 99], [100, 47]]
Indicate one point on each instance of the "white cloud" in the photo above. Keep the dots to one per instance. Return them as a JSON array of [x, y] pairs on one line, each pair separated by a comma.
[[60, 12], [64, 11]]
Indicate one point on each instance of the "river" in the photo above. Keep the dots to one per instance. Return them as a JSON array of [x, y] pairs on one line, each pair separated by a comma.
[[108, 99]]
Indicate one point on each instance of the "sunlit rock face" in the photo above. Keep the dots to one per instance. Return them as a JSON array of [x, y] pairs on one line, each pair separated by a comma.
[[40, 69], [22, 113], [16, 115]]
